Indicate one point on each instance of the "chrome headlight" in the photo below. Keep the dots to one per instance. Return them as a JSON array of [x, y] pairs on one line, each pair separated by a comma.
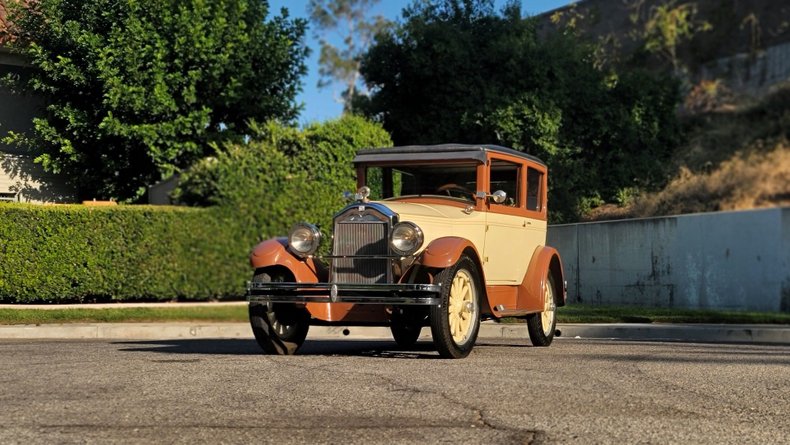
[[304, 239], [406, 238]]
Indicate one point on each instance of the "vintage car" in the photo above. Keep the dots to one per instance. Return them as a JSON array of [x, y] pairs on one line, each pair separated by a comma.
[[442, 236]]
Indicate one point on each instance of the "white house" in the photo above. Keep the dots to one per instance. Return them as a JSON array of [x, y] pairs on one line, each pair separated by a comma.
[[20, 178]]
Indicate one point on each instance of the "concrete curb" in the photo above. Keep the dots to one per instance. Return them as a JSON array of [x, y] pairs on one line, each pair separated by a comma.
[[714, 333], [767, 334], [170, 305]]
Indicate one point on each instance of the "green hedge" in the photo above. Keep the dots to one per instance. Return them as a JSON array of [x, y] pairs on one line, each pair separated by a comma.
[[254, 191], [79, 253]]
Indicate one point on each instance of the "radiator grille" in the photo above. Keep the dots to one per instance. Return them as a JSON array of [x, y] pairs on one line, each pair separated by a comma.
[[360, 238]]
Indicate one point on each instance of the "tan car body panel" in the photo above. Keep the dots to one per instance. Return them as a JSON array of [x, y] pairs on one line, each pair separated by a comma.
[[512, 239], [442, 221]]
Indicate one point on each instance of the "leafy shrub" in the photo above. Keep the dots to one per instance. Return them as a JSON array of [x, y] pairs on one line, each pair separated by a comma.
[[79, 253], [283, 176], [254, 191]]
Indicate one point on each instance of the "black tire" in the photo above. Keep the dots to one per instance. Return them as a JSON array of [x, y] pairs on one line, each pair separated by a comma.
[[279, 328], [541, 326], [460, 306], [406, 325]]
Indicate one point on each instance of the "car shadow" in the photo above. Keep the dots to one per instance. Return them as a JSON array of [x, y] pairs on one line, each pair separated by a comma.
[[359, 348]]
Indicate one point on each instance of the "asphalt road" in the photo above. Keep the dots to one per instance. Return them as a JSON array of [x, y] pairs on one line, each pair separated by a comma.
[[224, 391]]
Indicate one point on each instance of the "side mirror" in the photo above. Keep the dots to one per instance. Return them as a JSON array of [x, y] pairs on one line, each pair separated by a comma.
[[498, 196]]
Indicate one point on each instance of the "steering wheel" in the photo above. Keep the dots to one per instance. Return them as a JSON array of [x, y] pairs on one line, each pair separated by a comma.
[[456, 191]]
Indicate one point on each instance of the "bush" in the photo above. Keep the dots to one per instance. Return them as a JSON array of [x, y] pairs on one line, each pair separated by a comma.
[[254, 191], [283, 176], [77, 253]]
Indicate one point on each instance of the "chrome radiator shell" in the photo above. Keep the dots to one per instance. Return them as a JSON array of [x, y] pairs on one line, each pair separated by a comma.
[[361, 239]]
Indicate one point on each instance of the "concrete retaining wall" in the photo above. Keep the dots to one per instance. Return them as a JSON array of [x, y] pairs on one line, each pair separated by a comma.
[[725, 260]]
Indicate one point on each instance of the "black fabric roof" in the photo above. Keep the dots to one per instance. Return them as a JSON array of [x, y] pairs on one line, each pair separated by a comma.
[[435, 153]]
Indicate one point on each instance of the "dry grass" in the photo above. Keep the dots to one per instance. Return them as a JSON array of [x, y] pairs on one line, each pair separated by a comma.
[[746, 125], [745, 181], [733, 160]]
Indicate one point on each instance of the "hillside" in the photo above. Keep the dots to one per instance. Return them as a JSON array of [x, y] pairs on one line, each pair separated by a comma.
[[735, 157], [733, 63], [743, 45]]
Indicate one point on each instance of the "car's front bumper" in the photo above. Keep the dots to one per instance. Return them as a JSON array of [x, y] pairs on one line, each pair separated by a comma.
[[400, 294]]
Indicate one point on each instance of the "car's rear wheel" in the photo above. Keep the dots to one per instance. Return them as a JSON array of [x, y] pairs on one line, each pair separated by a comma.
[[455, 322], [279, 328], [541, 326]]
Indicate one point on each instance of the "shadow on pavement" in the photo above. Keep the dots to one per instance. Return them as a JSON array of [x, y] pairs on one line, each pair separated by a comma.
[[359, 348]]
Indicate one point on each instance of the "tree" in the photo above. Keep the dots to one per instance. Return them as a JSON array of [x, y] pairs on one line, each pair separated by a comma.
[[666, 26], [432, 74], [349, 20], [458, 71], [136, 90]]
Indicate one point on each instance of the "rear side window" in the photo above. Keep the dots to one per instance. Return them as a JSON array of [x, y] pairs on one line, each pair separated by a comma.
[[505, 176], [534, 190]]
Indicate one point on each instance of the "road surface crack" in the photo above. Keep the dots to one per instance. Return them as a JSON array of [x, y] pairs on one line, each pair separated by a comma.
[[479, 418]]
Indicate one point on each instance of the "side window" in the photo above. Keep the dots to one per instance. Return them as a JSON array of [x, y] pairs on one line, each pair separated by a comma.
[[505, 176], [534, 190]]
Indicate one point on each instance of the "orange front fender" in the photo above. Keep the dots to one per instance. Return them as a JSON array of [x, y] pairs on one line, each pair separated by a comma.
[[444, 252], [274, 252], [531, 293]]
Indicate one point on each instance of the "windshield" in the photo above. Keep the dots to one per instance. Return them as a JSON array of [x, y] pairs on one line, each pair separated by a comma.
[[457, 181]]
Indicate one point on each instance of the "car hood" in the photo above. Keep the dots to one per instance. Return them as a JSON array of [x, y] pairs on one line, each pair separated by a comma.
[[437, 220], [410, 211]]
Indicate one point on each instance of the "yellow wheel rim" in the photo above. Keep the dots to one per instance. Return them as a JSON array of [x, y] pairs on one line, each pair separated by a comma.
[[462, 309], [547, 317]]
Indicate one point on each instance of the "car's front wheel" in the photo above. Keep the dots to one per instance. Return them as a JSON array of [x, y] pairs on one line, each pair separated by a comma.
[[455, 322], [541, 326], [279, 328]]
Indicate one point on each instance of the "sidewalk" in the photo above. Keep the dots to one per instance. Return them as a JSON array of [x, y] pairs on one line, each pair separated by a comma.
[[713, 333]]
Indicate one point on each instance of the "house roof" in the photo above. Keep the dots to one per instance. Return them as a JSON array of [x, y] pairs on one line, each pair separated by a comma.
[[3, 22], [5, 36]]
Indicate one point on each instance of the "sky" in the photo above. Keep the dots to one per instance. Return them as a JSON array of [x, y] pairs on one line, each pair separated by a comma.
[[321, 104]]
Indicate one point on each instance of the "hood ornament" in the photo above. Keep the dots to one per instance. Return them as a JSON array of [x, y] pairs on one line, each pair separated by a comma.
[[361, 195]]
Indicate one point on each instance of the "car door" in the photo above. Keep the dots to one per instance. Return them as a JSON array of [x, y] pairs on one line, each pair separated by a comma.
[[508, 230]]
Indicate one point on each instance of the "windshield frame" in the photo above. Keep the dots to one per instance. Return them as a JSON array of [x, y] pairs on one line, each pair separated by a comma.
[[388, 195]]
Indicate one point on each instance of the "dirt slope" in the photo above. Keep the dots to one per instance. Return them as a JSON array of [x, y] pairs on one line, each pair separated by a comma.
[[736, 157]]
